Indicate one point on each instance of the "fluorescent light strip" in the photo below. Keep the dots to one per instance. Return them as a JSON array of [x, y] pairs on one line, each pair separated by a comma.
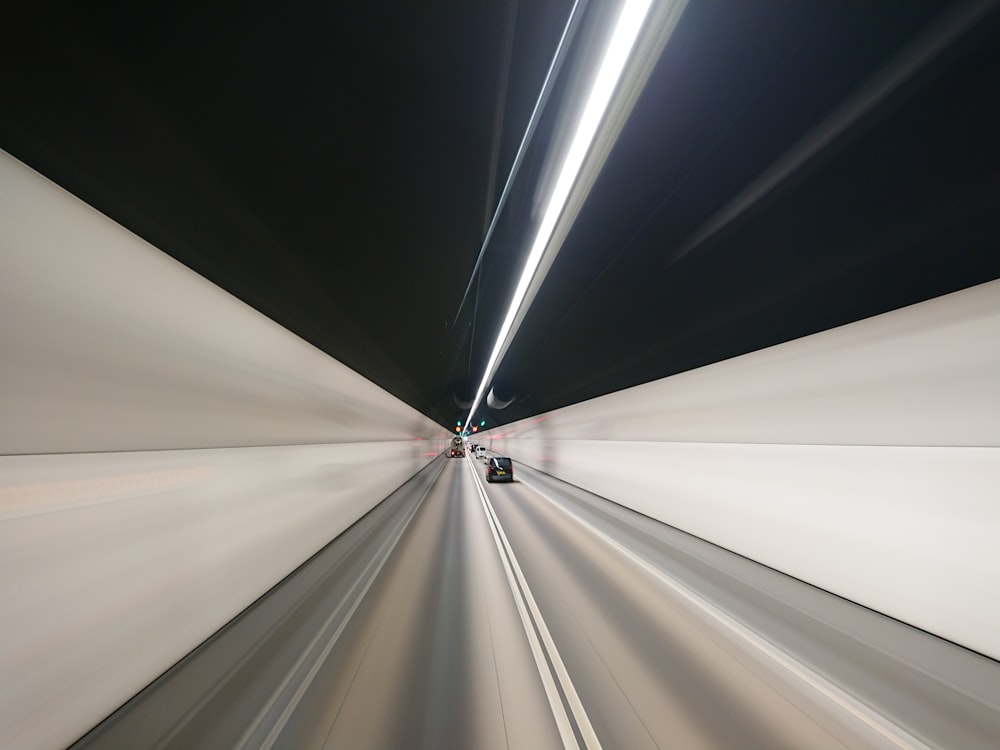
[[622, 40], [529, 132]]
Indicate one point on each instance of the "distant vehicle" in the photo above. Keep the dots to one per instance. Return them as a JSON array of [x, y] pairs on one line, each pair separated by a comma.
[[499, 469], [457, 447], [480, 452]]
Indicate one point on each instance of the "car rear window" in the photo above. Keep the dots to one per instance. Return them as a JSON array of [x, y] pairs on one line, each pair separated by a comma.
[[501, 463]]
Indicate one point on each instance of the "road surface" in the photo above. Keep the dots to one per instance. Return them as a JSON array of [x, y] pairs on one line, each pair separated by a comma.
[[460, 614]]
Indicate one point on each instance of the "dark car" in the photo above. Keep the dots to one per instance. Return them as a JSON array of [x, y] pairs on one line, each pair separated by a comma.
[[499, 469]]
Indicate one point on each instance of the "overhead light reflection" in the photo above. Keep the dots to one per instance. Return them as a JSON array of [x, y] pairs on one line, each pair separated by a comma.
[[623, 39]]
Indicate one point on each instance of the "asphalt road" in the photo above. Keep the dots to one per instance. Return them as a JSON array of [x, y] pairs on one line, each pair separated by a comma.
[[533, 615]]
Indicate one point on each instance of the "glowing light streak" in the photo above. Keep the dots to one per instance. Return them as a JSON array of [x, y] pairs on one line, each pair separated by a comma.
[[623, 39]]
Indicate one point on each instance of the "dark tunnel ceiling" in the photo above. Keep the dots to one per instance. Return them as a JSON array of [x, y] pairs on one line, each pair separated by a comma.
[[330, 164]]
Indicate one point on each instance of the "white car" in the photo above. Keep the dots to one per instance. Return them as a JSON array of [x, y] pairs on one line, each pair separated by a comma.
[[481, 452]]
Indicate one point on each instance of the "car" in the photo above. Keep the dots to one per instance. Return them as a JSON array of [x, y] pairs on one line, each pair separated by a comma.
[[480, 452], [499, 469]]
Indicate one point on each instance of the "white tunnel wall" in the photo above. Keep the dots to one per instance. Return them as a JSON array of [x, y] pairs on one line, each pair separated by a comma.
[[863, 460], [167, 454]]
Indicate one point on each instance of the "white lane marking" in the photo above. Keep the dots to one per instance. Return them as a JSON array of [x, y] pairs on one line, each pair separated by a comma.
[[883, 726], [525, 602], [551, 691], [356, 595]]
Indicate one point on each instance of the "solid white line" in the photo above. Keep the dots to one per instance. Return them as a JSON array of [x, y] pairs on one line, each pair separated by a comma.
[[523, 598], [873, 720], [551, 691]]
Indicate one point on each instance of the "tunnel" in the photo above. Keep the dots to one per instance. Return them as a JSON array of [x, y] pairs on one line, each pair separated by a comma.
[[708, 294]]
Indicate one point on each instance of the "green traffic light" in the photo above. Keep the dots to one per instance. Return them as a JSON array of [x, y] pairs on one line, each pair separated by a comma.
[[458, 423], [483, 423]]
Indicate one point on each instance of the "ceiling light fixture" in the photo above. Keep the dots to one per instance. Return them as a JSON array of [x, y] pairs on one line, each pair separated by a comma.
[[536, 115], [627, 28]]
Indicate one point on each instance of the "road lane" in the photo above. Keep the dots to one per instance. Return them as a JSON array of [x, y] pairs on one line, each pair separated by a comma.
[[567, 709], [434, 658], [940, 693], [212, 696], [528, 722], [536, 615], [689, 680], [644, 666]]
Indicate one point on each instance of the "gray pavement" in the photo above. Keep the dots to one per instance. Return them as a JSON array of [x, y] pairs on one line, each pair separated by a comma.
[[534, 615]]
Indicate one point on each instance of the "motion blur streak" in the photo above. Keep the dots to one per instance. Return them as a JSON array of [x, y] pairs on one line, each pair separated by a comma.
[[110, 345], [932, 43], [859, 460], [169, 454], [862, 459], [826, 689], [663, 640], [543, 97], [36, 498], [213, 535], [599, 121]]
